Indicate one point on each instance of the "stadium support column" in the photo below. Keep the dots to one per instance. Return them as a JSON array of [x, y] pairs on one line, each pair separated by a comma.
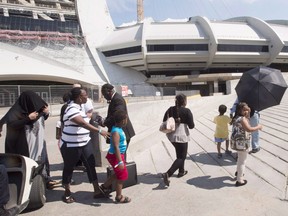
[[216, 87], [213, 87]]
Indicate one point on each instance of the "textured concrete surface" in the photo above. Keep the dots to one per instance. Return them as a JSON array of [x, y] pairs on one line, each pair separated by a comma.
[[207, 189]]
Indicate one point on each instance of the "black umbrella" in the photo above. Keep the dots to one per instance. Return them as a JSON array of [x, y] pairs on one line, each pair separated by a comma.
[[261, 87]]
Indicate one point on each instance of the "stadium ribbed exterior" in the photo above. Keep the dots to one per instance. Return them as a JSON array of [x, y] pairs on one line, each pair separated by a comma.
[[69, 41]]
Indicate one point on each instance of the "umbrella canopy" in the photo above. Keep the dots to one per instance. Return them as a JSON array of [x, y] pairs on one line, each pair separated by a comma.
[[261, 87]]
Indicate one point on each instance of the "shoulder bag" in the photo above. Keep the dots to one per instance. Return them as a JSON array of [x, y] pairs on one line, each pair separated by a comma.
[[168, 126]]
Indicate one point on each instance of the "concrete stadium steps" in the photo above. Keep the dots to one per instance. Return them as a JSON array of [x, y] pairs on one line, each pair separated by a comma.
[[266, 171]]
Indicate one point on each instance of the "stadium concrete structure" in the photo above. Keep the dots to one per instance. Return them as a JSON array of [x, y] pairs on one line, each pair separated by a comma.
[[68, 41]]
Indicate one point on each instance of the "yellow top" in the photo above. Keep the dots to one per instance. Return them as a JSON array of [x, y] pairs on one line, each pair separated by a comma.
[[222, 122]]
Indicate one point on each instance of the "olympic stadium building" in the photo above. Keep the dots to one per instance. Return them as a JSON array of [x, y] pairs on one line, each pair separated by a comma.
[[68, 41]]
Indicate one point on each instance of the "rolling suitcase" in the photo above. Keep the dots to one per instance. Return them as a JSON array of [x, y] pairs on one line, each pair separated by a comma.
[[132, 175]]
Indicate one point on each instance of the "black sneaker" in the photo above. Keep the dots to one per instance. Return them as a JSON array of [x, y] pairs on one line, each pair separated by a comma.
[[227, 152], [255, 150]]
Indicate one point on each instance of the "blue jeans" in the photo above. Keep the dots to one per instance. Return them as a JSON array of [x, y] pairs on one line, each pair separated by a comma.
[[254, 121]]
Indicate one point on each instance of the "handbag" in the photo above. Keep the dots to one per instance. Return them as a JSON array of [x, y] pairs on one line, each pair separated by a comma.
[[168, 126]]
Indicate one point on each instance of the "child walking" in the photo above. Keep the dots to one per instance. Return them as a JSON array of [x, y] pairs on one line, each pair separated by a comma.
[[240, 140], [221, 132], [116, 157]]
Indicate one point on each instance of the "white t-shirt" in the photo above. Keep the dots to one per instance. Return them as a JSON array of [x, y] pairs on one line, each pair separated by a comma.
[[58, 124], [88, 106]]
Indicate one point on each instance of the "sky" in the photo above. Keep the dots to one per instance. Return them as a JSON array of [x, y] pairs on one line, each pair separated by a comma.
[[125, 11]]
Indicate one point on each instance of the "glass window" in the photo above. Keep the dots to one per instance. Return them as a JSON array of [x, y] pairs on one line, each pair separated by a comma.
[[242, 48], [177, 47]]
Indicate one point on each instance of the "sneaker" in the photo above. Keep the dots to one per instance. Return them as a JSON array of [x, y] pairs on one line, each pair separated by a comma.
[[219, 155], [255, 150], [228, 152]]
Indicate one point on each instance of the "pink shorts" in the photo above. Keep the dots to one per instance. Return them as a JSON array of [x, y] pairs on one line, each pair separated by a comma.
[[120, 174]]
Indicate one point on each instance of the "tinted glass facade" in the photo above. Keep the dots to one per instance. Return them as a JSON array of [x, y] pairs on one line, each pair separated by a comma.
[[30, 24], [177, 47], [241, 48]]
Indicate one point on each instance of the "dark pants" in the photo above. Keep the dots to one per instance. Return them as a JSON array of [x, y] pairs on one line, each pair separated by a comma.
[[4, 186], [181, 153], [125, 154], [72, 155]]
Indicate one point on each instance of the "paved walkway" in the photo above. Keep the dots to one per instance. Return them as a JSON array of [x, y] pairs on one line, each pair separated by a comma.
[[207, 189]]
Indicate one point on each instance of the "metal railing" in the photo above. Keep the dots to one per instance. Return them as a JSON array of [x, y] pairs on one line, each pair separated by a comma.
[[53, 94]]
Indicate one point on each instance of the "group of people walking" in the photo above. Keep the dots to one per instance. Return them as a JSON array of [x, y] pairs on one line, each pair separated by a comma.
[[75, 141], [25, 136], [243, 120]]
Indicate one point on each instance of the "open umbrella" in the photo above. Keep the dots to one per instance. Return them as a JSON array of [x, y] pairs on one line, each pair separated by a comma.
[[261, 87]]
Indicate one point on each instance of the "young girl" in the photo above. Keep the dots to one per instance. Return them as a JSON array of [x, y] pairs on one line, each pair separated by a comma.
[[221, 133], [240, 126], [116, 157]]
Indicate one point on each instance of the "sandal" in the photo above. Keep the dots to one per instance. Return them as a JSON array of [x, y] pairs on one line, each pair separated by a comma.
[[100, 195], [182, 174], [52, 184], [68, 199], [107, 191], [122, 199]]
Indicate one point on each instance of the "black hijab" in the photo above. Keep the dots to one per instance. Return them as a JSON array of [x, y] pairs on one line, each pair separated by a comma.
[[27, 103], [16, 119], [30, 102]]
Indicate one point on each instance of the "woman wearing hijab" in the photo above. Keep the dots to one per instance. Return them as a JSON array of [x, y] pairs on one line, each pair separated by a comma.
[[25, 130]]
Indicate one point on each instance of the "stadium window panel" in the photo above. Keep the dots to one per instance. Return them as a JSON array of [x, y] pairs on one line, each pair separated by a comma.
[[285, 49], [177, 47], [241, 48], [123, 51]]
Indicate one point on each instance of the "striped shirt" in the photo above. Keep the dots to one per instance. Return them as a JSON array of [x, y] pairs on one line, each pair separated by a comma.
[[73, 134]]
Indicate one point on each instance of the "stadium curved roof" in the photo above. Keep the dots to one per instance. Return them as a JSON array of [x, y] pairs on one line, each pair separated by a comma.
[[198, 44], [150, 51]]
